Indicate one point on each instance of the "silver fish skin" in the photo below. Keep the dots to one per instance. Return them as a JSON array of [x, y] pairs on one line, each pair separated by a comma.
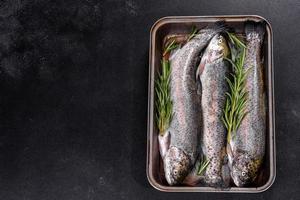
[[247, 148], [185, 126], [212, 70]]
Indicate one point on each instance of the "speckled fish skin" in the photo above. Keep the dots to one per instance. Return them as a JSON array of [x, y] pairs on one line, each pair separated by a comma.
[[248, 147], [212, 70], [186, 122]]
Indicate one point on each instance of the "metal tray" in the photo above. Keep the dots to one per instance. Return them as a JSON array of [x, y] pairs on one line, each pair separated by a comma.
[[167, 26]]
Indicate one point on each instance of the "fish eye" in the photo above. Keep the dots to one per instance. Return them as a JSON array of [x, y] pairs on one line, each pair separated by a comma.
[[243, 173], [175, 172], [220, 40]]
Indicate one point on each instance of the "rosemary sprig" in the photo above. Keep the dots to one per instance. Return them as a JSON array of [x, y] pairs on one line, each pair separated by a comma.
[[193, 33], [234, 40], [235, 106], [163, 101], [169, 48], [202, 166]]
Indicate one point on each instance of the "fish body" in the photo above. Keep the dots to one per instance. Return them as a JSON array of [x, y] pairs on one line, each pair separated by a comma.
[[247, 148], [185, 126], [212, 70]]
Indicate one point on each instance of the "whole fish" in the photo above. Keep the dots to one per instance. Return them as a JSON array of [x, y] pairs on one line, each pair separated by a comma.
[[185, 126], [247, 149], [212, 70]]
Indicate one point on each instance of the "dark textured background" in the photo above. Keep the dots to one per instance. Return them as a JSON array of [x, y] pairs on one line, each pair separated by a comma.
[[73, 96]]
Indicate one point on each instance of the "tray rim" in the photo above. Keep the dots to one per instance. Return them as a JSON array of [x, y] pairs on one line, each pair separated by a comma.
[[271, 103]]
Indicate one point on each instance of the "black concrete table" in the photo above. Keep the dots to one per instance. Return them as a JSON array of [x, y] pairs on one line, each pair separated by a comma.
[[73, 96]]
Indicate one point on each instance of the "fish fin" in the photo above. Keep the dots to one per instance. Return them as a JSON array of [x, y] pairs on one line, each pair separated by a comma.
[[200, 69], [252, 27], [199, 87], [225, 175], [164, 143], [225, 169], [224, 155], [197, 74], [193, 179], [198, 81]]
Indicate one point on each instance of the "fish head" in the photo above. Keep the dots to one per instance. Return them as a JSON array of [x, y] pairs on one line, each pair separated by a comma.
[[217, 48], [244, 169], [176, 165]]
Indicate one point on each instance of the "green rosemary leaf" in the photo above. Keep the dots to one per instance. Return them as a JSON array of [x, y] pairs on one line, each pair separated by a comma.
[[202, 166], [236, 98], [235, 40], [193, 33], [170, 47], [163, 102]]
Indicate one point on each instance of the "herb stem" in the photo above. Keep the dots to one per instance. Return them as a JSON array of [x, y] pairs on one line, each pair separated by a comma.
[[163, 101], [202, 166], [234, 110]]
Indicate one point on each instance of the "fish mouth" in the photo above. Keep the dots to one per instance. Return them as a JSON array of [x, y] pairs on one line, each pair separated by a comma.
[[176, 165], [238, 182]]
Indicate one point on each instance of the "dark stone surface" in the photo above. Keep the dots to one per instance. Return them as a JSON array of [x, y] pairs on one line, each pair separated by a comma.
[[73, 96]]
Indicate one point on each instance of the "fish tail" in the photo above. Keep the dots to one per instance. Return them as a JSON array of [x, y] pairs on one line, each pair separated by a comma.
[[254, 29], [218, 26]]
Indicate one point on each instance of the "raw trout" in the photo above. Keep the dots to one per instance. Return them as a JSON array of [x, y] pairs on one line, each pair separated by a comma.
[[247, 149], [212, 70]]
